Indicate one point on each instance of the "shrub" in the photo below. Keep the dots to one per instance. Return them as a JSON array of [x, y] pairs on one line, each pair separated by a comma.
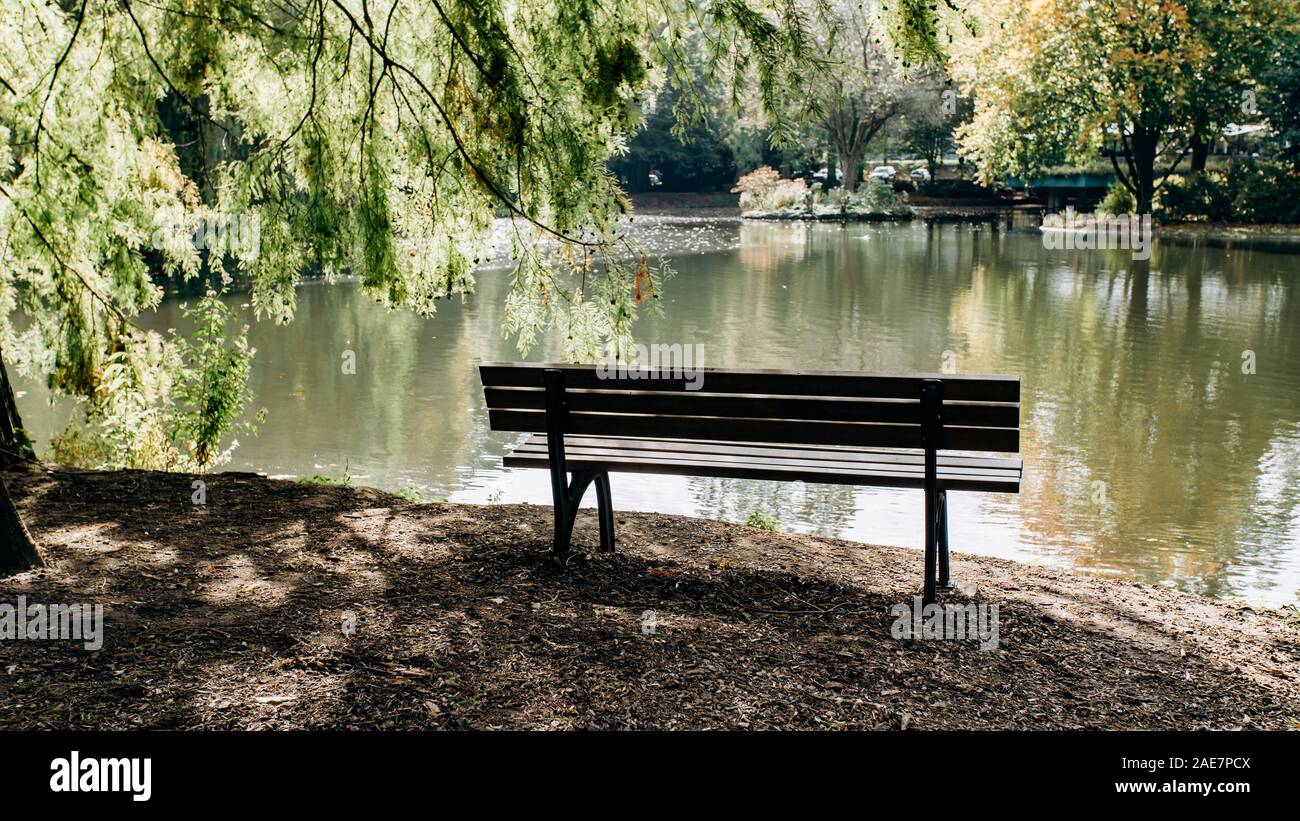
[[213, 387], [787, 194], [1118, 200], [81, 448], [762, 521], [174, 412], [1248, 192], [755, 186], [1198, 196], [834, 198], [764, 190], [873, 196], [1264, 192]]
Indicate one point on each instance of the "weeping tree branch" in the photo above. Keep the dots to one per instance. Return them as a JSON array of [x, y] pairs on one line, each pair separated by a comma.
[[461, 148], [65, 266], [144, 43], [54, 77]]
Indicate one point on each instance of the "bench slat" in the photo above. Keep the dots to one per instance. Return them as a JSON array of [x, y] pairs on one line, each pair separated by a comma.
[[983, 388], [882, 475], [767, 406], [815, 452], [783, 431], [783, 462]]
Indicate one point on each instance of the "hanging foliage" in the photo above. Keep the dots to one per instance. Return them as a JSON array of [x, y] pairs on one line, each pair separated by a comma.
[[265, 140]]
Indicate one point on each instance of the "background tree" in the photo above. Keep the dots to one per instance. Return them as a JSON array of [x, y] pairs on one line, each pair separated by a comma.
[[685, 148], [863, 94], [1136, 80], [933, 112], [1279, 97]]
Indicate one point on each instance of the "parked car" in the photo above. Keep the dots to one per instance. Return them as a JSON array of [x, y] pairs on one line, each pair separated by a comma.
[[883, 172], [920, 175]]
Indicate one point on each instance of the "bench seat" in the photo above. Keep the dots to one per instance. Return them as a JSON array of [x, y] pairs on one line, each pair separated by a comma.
[[807, 463]]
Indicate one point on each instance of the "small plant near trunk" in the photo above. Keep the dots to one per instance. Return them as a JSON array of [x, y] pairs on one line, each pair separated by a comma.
[[411, 494], [179, 412], [325, 479], [415, 495]]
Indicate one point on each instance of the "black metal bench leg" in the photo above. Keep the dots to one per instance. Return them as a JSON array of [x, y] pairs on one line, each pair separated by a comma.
[[931, 432], [564, 530], [931, 545], [563, 514], [605, 509], [945, 582], [567, 497]]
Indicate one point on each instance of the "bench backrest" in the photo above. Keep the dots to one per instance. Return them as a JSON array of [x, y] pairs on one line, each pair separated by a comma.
[[772, 406]]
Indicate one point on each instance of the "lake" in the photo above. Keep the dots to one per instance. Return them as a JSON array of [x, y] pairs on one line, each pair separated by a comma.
[[1151, 451]]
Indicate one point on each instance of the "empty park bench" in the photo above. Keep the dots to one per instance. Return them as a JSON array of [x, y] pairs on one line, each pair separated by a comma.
[[917, 431]]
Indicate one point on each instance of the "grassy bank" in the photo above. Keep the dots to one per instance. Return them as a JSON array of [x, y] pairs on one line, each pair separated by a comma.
[[236, 614]]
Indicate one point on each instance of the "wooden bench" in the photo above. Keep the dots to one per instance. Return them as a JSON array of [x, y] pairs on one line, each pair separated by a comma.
[[809, 426]]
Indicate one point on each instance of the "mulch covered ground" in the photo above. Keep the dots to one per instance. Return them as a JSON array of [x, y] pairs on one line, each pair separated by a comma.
[[232, 615]]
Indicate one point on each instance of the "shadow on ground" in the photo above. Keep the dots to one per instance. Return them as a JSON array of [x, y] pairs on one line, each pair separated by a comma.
[[277, 605]]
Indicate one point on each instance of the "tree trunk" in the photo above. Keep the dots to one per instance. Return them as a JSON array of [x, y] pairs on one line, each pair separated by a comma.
[[1200, 153], [1143, 163], [844, 158], [852, 174], [17, 549], [15, 445]]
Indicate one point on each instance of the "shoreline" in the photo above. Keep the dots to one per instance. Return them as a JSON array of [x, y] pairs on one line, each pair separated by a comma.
[[227, 616], [812, 216], [726, 206]]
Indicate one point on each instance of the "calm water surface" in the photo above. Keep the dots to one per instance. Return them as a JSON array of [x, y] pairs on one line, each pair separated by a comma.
[[1148, 453]]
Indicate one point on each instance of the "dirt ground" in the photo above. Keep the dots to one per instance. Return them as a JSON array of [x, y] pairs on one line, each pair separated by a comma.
[[235, 615]]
